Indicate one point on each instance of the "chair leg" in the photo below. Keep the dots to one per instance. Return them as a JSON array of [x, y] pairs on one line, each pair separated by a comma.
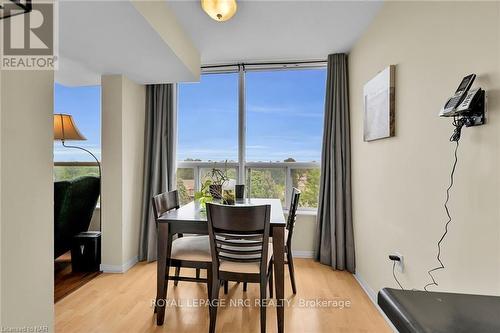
[[291, 270], [263, 303], [198, 273], [244, 286], [226, 287], [177, 272], [214, 304], [209, 292]]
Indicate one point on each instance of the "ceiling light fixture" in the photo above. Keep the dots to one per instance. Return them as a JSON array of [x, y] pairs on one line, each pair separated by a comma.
[[219, 10]]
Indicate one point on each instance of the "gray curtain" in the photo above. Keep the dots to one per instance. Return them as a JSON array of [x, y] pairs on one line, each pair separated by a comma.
[[334, 234], [159, 159]]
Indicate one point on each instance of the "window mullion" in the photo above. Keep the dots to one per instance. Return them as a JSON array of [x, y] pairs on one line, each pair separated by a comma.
[[197, 182], [241, 126]]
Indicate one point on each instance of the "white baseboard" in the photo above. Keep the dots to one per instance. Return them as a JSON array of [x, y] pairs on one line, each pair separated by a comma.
[[372, 295], [303, 254], [120, 268]]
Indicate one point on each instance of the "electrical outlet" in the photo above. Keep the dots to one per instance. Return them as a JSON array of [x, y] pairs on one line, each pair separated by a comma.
[[400, 265]]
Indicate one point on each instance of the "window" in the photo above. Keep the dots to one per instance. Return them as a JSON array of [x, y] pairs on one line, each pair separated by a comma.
[[283, 124], [266, 183], [208, 119], [285, 115], [84, 104]]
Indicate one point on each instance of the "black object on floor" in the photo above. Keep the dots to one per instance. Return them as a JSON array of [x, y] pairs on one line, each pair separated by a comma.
[[422, 311], [86, 252]]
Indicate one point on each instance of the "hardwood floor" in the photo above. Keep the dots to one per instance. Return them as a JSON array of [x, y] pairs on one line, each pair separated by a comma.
[[122, 303], [66, 281]]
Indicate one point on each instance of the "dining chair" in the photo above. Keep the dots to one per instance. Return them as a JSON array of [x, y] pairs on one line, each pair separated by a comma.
[[290, 224], [167, 201], [189, 251], [240, 248]]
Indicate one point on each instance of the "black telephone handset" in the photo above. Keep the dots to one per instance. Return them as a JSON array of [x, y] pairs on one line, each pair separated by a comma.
[[454, 103]]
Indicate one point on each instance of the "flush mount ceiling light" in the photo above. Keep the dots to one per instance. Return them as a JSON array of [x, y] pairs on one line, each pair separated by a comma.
[[219, 10], [14, 7]]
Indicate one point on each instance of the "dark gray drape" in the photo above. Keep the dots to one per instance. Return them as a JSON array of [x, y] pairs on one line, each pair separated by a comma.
[[159, 159], [334, 233]]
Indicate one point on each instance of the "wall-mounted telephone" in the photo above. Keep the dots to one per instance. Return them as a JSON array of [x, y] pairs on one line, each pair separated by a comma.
[[450, 108], [465, 103]]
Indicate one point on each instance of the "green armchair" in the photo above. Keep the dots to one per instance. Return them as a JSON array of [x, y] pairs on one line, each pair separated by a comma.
[[74, 204]]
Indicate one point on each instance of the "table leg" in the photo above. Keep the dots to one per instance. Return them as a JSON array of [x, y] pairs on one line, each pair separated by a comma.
[[279, 265], [161, 284]]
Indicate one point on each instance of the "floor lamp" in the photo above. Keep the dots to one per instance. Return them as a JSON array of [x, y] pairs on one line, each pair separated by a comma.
[[65, 129]]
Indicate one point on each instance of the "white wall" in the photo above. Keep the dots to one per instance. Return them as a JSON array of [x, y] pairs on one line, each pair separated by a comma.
[[399, 183], [123, 116], [26, 191]]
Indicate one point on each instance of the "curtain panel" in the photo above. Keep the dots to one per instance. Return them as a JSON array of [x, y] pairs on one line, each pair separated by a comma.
[[334, 234], [159, 159]]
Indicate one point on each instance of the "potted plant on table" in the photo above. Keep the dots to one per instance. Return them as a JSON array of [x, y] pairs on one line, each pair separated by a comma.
[[211, 188]]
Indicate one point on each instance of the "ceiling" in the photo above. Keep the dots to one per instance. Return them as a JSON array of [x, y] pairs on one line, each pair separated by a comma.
[[147, 42], [112, 37], [276, 30]]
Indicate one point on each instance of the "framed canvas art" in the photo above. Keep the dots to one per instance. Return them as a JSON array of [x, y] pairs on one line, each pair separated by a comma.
[[379, 100]]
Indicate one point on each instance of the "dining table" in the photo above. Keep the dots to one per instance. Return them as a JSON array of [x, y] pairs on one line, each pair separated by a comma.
[[192, 219]]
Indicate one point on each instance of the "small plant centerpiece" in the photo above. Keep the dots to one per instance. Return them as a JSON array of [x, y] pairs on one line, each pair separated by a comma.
[[211, 188]]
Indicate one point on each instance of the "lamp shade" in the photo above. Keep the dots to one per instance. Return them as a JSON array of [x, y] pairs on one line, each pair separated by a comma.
[[219, 10], [65, 128]]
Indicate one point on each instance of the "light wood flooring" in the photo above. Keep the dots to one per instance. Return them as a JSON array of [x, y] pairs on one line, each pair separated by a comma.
[[122, 303], [65, 280]]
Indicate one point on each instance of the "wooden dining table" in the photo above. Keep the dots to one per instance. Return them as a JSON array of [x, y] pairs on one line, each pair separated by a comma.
[[192, 219]]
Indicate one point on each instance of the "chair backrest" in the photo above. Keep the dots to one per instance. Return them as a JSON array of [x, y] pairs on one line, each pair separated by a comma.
[[164, 202], [239, 233], [292, 213]]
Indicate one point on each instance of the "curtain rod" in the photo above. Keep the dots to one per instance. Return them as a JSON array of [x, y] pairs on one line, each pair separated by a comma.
[[265, 63]]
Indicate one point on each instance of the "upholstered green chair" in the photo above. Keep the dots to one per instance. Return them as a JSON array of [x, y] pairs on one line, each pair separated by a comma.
[[74, 204]]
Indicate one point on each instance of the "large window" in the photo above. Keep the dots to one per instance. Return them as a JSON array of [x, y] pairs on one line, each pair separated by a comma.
[[284, 112], [208, 119], [264, 126], [84, 105]]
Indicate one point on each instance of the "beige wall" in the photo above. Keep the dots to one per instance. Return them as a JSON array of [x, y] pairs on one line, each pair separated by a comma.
[[111, 152], [399, 183], [123, 116], [26, 190], [134, 106], [163, 20], [303, 235]]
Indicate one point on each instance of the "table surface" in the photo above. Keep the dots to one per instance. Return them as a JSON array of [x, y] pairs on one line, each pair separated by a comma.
[[422, 311], [192, 212]]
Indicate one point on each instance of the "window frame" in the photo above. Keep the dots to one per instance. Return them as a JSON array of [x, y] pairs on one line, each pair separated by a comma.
[[242, 166]]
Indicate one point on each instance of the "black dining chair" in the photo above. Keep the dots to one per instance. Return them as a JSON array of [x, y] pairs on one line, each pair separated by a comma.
[[189, 252], [239, 243], [290, 224], [167, 201]]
